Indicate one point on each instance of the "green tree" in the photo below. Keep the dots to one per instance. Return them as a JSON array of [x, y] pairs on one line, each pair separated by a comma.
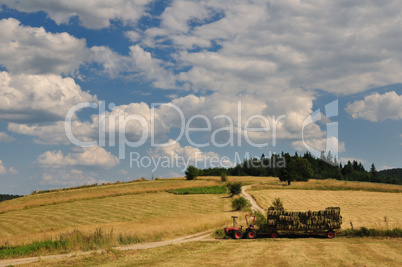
[[240, 203], [224, 177], [373, 172], [234, 188], [303, 168], [191, 172]]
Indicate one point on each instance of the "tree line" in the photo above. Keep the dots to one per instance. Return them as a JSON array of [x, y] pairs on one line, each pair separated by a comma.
[[296, 167], [7, 197]]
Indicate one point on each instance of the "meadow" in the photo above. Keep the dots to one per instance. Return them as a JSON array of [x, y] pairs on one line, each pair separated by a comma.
[[361, 208], [260, 252], [101, 191], [135, 212]]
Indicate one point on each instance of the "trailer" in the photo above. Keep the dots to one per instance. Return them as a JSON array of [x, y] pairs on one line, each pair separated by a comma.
[[324, 222], [280, 222]]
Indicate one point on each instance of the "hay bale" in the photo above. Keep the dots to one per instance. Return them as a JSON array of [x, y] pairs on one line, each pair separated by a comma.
[[310, 220]]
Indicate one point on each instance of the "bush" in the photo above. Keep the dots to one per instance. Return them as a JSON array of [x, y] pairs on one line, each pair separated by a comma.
[[363, 231], [277, 204], [240, 203], [234, 188], [219, 233], [260, 222], [191, 173], [224, 177]]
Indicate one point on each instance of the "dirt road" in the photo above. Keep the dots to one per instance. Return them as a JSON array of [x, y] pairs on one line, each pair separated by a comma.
[[254, 204], [147, 245]]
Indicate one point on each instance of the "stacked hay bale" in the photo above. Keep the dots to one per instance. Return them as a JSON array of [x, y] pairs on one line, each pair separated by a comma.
[[327, 219]]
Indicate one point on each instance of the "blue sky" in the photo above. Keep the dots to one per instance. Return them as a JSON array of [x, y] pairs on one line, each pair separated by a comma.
[[279, 58]]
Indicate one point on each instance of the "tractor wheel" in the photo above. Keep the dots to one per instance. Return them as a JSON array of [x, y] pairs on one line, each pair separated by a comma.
[[274, 235], [251, 234], [330, 234], [237, 234]]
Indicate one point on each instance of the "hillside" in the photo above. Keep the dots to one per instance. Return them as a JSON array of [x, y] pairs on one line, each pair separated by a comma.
[[122, 208], [135, 212]]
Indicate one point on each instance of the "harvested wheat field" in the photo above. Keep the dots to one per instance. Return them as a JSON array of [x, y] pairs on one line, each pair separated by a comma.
[[263, 252], [163, 214], [62, 196], [369, 209]]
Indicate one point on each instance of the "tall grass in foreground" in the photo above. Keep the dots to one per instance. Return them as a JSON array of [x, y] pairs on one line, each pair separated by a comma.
[[76, 240], [370, 232], [115, 234]]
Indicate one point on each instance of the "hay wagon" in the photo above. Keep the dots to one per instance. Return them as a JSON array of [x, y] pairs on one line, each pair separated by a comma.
[[280, 222], [324, 222]]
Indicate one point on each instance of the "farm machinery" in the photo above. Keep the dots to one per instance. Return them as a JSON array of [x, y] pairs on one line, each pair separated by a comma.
[[324, 222], [237, 232]]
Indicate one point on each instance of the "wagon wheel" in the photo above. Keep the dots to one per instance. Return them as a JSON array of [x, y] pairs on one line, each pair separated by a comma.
[[274, 235], [330, 234]]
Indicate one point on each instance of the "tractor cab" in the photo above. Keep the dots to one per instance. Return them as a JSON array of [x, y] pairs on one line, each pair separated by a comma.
[[236, 232]]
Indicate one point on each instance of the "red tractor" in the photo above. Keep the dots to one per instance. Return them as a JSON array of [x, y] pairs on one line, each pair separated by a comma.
[[237, 232]]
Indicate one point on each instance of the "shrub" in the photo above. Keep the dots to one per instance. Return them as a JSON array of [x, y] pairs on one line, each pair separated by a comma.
[[260, 222], [191, 173], [219, 233], [224, 177], [277, 204], [234, 188], [363, 231], [240, 203]]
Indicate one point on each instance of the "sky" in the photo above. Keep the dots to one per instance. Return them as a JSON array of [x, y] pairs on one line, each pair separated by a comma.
[[101, 91]]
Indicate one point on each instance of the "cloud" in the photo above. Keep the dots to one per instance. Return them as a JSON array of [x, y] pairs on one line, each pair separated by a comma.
[[95, 157], [386, 167], [189, 155], [322, 144], [55, 133], [123, 171], [94, 14], [337, 47], [38, 98], [377, 107], [65, 178], [344, 160], [4, 137], [4, 170], [32, 50], [139, 65]]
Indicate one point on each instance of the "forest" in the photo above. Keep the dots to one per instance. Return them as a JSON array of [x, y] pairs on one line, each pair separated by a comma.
[[296, 167]]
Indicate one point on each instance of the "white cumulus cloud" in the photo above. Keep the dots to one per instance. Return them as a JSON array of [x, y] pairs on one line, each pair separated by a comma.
[[36, 98], [94, 14], [32, 50], [377, 107], [95, 156], [320, 144]]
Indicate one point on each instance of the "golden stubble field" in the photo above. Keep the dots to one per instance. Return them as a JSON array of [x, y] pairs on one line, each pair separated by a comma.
[[260, 252], [141, 210], [369, 209]]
